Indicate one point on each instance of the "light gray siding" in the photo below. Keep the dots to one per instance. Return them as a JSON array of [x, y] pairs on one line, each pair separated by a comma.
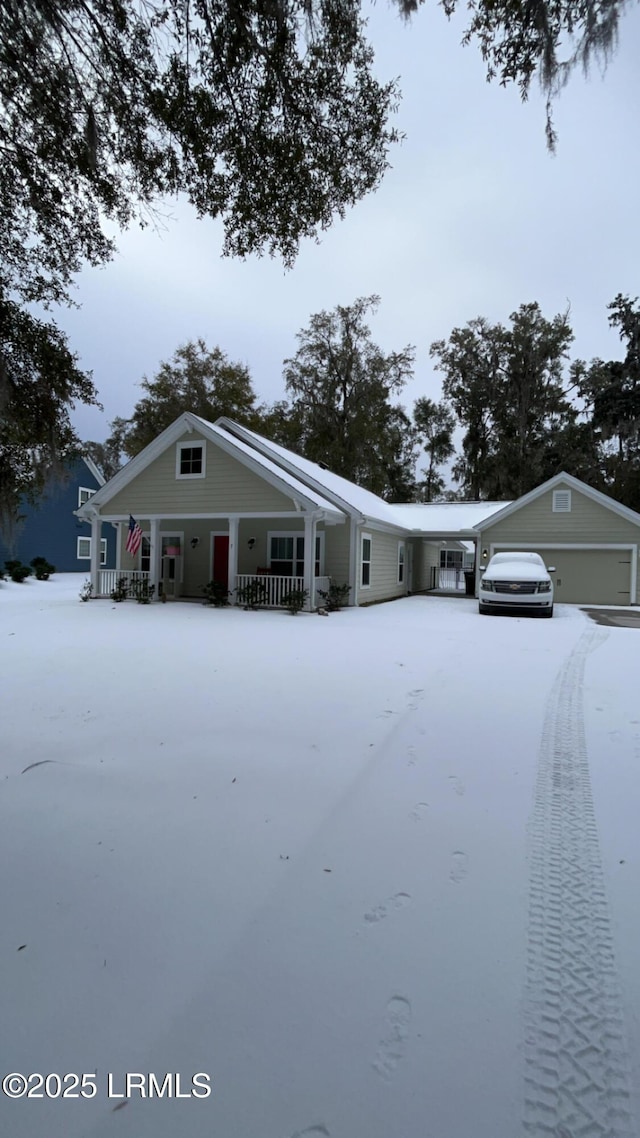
[[337, 554], [588, 522], [384, 567], [228, 486], [583, 576]]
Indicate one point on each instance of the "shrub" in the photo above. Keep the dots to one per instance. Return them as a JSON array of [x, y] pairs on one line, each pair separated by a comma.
[[335, 596], [121, 590], [295, 600], [86, 591], [253, 594], [17, 571], [216, 594], [141, 590], [42, 568]]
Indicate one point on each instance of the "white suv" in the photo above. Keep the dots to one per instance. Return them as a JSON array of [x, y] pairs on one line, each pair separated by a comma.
[[516, 580]]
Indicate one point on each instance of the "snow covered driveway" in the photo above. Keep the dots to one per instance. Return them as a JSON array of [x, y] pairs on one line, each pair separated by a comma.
[[376, 875]]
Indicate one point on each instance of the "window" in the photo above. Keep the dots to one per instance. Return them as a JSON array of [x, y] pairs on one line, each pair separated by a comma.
[[145, 554], [561, 502], [190, 460], [286, 554], [84, 493], [83, 552], [451, 558], [365, 561], [400, 562]]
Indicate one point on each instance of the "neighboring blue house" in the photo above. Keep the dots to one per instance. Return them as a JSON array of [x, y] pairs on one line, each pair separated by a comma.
[[52, 530]]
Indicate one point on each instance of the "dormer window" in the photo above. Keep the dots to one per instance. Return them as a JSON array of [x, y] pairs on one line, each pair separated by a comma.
[[190, 460], [561, 502]]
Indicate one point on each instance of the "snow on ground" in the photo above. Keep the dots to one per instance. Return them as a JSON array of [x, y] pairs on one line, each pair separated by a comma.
[[347, 867]]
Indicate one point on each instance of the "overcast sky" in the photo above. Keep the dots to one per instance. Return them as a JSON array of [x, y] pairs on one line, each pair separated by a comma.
[[474, 218]]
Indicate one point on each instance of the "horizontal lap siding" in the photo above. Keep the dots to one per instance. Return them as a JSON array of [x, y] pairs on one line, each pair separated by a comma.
[[588, 522], [227, 487], [384, 568], [337, 553]]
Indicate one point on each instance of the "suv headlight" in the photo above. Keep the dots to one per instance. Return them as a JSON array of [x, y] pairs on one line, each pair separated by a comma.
[[487, 586], [544, 586]]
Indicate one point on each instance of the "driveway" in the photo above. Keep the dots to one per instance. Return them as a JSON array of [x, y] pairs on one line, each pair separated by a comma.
[[374, 874]]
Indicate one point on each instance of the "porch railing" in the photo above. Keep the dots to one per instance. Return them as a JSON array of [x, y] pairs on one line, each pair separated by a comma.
[[269, 590], [320, 583], [108, 578], [449, 579]]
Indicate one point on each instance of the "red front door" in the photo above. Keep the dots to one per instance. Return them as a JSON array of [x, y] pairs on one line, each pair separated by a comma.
[[221, 559]]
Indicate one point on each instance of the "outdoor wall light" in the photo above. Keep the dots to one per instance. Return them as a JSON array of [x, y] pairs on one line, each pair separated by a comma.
[[195, 541], [251, 542], [485, 553]]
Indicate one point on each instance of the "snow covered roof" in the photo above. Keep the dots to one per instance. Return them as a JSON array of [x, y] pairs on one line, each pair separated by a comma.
[[441, 519], [355, 498], [273, 472]]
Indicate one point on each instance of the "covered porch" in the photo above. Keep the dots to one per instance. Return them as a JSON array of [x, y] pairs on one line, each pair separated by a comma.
[[443, 562], [259, 560]]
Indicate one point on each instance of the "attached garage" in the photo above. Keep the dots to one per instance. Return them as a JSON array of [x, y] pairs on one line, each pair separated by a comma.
[[587, 576], [591, 540]]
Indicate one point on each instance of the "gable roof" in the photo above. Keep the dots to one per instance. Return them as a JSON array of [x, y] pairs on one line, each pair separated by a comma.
[[281, 480], [573, 483], [94, 470], [345, 494]]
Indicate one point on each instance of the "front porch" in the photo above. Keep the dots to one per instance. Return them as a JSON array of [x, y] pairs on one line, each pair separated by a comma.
[[261, 590]]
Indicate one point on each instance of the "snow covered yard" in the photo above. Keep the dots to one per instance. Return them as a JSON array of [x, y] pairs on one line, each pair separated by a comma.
[[348, 867]]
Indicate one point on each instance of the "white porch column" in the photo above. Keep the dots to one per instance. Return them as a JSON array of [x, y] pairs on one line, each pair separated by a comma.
[[118, 528], [309, 557], [96, 533], [234, 525], [155, 551]]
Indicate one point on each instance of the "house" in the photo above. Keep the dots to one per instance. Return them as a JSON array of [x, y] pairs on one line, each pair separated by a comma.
[[52, 528], [215, 501]]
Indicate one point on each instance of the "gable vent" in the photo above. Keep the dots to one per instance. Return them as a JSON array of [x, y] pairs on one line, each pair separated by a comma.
[[562, 501]]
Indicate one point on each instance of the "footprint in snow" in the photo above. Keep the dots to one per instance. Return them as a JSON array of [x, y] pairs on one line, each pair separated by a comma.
[[319, 1131], [398, 901], [459, 866], [419, 811], [458, 785], [393, 1045]]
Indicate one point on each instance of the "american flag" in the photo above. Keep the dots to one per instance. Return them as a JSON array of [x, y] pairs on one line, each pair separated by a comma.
[[134, 537]]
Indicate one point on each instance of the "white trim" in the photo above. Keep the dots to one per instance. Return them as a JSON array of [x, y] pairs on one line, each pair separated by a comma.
[[575, 484], [185, 517], [87, 556], [94, 470], [628, 548], [319, 535], [191, 444], [402, 564], [561, 545], [85, 490], [365, 537], [558, 497], [261, 465], [173, 533]]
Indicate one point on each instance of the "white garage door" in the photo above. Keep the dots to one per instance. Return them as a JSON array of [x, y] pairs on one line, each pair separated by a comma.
[[590, 576]]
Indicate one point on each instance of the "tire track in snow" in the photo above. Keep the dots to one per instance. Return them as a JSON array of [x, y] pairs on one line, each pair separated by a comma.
[[576, 1056]]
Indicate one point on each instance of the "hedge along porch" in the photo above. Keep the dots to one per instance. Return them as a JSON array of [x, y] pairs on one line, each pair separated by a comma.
[[200, 494]]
